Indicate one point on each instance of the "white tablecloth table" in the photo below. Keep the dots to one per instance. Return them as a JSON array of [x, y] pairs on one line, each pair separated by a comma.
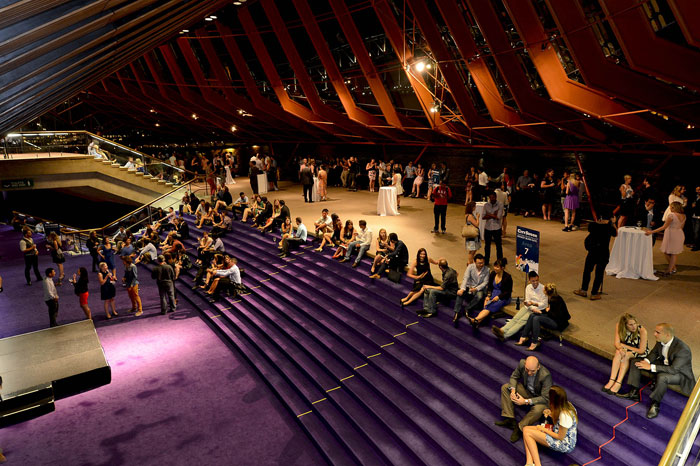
[[386, 202], [632, 255], [262, 183], [478, 213]]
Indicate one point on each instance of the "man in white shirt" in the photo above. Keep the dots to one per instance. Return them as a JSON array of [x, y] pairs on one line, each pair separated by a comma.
[[228, 277], [51, 296], [148, 253], [535, 298], [503, 198], [322, 225], [473, 288], [363, 241], [492, 215], [671, 361]]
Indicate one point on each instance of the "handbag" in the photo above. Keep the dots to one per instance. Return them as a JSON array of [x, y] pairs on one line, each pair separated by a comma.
[[394, 275], [469, 231]]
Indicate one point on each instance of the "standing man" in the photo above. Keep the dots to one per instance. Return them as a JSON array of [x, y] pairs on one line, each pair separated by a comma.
[[695, 217], [51, 296], [597, 244], [524, 187], [298, 238], [483, 180], [473, 288], [671, 362], [528, 386], [31, 255], [363, 241], [493, 228], [441, 194], [447, 289], [353, 171], [650, 217], [164, 275], [306, 177], [408, 179]]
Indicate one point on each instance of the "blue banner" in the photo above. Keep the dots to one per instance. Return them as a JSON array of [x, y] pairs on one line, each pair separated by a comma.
[[527, 249]]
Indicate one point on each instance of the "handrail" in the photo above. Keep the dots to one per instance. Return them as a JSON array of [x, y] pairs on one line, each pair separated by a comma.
[[102, 138], [36, 217], [684, 423], [114, 222]]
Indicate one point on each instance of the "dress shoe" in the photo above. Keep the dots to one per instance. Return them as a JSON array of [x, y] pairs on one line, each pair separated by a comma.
[[595, 297], [428, 315], [580, 293], [516, 435], [606, 390], [499, 333], [633, 395], [506, 422], [282, 256], [355, 265], [653, 410]]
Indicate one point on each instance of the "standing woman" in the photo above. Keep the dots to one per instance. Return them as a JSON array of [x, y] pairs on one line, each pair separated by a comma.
[[674, 238], [630, 342], [472, 179], [54, 246], [433, 179], [228, 167], [498, 292], [472, 244], [421, 275], [677, 195], [561, 436], [323, 183], [372, 175], [549, 194], [92, 244], [420, 174], [107, 289], [626, 201], [107, 254], [396, 182], [80, 286], [131, 280], [571, 202]]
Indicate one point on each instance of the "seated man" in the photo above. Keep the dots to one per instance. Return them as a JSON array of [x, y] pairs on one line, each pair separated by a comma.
[[670, 360], [170, 244], [396, 258], [182, 229], [529, 386], [473, 288], [322, 225], [223, 199], [166, 223], [278, 221], [147, 254], [535, 299], [446, 290], [298, 238], [239, 205], [363, 241]]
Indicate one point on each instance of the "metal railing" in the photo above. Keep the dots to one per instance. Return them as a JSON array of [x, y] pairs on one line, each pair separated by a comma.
[[685, 433], [59, 143]]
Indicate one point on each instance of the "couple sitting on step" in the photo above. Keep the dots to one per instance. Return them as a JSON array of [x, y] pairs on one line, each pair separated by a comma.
[[219, 274]]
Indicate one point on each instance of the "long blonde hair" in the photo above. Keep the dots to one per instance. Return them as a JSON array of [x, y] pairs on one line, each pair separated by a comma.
[[622, 326], [677, 191]]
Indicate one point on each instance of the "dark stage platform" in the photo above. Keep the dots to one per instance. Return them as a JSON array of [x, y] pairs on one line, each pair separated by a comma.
[[41, 366]]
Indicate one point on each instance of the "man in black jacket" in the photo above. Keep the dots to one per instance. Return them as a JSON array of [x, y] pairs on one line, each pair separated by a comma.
[[649, 216], [306, 177], [164, 275], [446, 290], [278, 221], [671, 361], [396, 259], [598, 246]]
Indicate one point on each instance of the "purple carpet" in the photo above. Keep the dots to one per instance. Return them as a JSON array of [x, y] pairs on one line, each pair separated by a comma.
[[178, 394]]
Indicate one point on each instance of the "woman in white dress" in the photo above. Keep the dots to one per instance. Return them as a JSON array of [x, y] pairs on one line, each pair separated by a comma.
[[396, 182], [677, 195], [229, 178]]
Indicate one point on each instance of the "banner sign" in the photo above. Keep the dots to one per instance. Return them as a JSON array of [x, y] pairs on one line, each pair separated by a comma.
[[12, 184], [527, 249]]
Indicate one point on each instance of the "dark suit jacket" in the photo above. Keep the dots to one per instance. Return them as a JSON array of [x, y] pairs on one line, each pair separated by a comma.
[[680, 362], [400, 254], [642, 216], [543, 382], [284, 212], [306, 176]]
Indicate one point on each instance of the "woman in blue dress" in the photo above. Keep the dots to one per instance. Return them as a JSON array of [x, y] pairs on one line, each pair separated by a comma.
[[106, 251], [498, 292], [559, 433]]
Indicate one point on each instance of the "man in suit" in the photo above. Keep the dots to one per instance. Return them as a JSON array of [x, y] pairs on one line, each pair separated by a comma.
[[306, 177], [396, 259], [529, 386], [649, 216], [670, 360]]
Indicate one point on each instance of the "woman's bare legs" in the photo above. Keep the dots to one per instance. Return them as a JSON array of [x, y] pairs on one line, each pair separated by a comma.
[[86, 310], [470, 257], [414, 296]]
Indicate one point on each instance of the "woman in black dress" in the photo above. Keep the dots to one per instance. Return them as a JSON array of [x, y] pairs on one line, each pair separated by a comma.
[[107, 288], [549, 194], [53, 244], [421, 275]]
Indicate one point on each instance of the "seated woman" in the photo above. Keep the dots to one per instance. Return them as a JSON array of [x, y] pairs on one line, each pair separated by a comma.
[[421, 275], [276, 210], [382, 243], [561, 436], [498, 292], [254, 208], [207, 215], [555, 317], [332, 237], [205, 243], [347, 235], [170, 243], [630, 342], [286, 230]]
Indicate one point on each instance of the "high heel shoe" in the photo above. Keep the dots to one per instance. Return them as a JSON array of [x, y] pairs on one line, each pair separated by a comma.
[[604, 389], [115, 313], [455, 320], [534, 346], [109, 316]]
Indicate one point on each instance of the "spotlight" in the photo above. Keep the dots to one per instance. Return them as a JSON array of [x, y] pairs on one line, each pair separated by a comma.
[[233, 128], [428, 66], [194, 116], [420, 66]]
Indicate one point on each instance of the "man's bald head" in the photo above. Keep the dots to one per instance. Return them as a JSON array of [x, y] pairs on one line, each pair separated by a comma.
[[532, 365]]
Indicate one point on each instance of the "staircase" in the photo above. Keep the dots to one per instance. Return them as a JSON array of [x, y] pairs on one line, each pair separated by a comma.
[[372, 384]]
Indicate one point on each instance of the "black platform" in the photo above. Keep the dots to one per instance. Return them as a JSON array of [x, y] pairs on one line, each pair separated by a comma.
[[41, 366]]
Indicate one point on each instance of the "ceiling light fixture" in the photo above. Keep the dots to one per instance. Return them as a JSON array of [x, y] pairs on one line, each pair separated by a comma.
[[208, 19], [420, 66], [194, 116], [233, 128]]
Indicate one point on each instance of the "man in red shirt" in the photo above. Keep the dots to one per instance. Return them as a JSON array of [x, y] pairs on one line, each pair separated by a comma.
[[441, 194]]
